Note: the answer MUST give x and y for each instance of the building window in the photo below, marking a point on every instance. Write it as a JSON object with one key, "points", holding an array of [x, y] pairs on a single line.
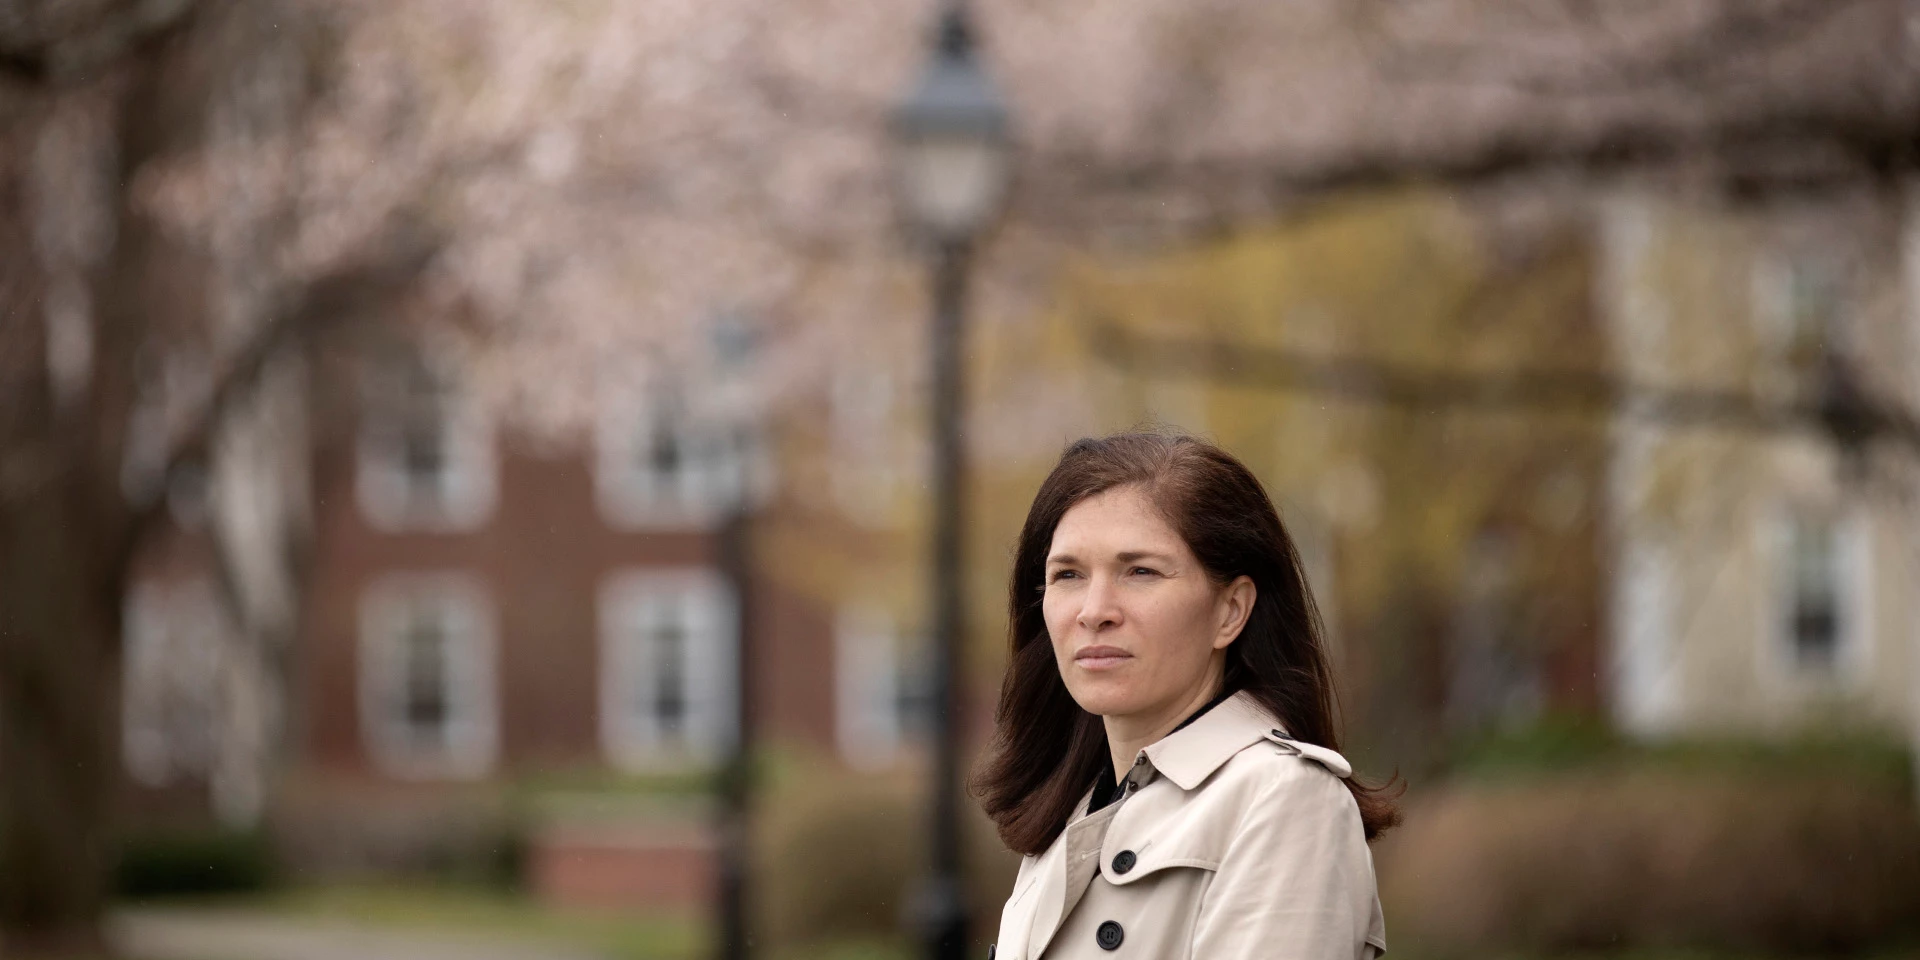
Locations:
{"points": [[1644, 671], [198, 703], [663, 463], [427, 677], [1822, 621], [1801, 309], [1814, 629], [667, 667], [882, 686], [175, 634], [426, 460]]}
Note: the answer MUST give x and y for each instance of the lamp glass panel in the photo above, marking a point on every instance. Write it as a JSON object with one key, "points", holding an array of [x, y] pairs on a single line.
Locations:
{"points": [[952, 183]]}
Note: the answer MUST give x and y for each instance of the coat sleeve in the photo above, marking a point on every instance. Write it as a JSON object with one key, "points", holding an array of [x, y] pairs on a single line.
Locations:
{"points": [[1296, 881]]}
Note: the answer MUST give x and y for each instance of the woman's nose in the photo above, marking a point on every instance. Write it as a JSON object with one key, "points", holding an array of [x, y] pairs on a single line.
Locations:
{"points": [[1098, 609]]}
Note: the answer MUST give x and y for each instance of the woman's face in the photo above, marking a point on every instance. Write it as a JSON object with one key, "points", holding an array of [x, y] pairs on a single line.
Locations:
{"points": [[1137, 626]]}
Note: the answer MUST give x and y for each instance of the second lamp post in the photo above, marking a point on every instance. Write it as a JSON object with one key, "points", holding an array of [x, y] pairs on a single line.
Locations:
{"points": [[951, 135]]}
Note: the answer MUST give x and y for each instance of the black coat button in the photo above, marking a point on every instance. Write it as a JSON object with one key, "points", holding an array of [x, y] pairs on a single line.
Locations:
{"points": [[1109, 936], [1123, 861], [989, 951]]}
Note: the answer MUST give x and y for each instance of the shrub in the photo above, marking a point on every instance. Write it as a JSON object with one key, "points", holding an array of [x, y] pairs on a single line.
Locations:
{"points": [[1656, 858], [1559, 745], [181, 861], [464, 837], [839, 856]]}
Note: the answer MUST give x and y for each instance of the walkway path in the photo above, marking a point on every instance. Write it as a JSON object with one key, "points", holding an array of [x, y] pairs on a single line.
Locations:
{"points": [[205, 934]]}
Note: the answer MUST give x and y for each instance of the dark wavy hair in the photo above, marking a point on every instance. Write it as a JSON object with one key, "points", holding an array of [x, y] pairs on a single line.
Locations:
{"points": [[1046, 750]]}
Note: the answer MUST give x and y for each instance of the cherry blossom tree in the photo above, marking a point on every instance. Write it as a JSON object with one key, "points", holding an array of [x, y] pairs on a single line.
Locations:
{"points": [[170, 241]]}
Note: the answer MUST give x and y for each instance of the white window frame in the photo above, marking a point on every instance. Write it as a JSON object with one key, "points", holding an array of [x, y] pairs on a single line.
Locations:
{"points": [[470, 745], [174, 636], [1853, 559], [708, 484], [1643, 662], [468, 487], [629, 600], [869, 670]]}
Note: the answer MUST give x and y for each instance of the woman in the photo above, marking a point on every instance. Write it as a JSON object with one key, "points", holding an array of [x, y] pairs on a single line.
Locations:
{"points": [[1165, 753]]}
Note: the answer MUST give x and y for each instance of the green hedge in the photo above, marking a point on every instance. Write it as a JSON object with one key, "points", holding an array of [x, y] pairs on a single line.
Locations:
{"points": [[1563, 745], [184, 861]]}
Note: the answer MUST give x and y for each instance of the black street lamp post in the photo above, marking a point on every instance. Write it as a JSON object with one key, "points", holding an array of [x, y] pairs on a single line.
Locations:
{"points": [[952, 137], [735, 782]]}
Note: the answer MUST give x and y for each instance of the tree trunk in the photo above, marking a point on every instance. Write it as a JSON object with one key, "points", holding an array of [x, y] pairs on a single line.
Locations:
{"points": [[59, 727], [65, 544]]}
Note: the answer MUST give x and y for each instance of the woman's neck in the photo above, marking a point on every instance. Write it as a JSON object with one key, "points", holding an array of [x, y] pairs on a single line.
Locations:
{"points": [[1128, 735]]}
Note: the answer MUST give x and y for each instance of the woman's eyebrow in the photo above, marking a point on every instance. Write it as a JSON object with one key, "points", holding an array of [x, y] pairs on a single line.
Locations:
{"points": [[1129, 555]]}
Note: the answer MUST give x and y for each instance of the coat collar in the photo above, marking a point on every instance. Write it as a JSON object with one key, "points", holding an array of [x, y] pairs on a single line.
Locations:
{"points": [[1192, 753]]}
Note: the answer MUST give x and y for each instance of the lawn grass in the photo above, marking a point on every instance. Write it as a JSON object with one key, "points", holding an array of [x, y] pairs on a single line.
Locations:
{"points": [[428, 908], [853, 949], [465, 912]]}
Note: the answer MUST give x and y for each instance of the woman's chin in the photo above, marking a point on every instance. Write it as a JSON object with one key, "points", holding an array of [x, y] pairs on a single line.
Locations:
{"points": [[1104, 696]]}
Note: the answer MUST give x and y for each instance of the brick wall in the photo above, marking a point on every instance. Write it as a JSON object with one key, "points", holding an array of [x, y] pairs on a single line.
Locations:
{"points": [[541, 557]]}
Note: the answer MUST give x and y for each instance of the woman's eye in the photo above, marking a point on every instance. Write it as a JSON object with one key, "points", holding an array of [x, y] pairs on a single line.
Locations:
{"points": [[1059, 574], [1146, 570]]}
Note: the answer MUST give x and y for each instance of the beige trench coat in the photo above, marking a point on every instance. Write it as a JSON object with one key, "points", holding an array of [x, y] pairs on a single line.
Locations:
{"points": [[1230, 841]]}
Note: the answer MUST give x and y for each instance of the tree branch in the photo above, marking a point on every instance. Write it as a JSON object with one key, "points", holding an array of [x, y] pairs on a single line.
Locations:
{"points": [[351, 290], [1786, 150], [119, 30], [1847, 415], [1692, 58]]}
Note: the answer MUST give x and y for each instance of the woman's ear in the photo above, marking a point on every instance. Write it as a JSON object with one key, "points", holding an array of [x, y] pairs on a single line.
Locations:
{"points": [[1234, 607]]}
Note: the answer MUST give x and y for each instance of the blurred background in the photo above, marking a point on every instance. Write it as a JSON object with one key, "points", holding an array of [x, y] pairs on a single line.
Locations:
{"points": [[531, 480]]}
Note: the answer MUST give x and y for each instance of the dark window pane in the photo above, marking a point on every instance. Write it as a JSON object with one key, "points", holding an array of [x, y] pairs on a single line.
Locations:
{"points": [[425, 706], [669, 652], [1816, 633], [1816, 614], [422, 416], [665, 456], [424, 455]]}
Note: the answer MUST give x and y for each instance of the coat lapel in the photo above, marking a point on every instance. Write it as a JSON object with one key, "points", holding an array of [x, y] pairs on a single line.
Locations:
{"points": [[1068, 877]]}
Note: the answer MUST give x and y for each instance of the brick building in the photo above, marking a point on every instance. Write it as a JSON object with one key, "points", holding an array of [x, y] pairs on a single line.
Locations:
{"points": [[483, 609]]}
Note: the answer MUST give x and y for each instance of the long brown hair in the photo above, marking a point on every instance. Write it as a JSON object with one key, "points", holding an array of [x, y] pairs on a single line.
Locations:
{"points": [[1046, 750]]}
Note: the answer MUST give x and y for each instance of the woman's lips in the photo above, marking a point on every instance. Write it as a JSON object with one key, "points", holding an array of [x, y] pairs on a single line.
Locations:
{"points": [[1101, 658]]}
